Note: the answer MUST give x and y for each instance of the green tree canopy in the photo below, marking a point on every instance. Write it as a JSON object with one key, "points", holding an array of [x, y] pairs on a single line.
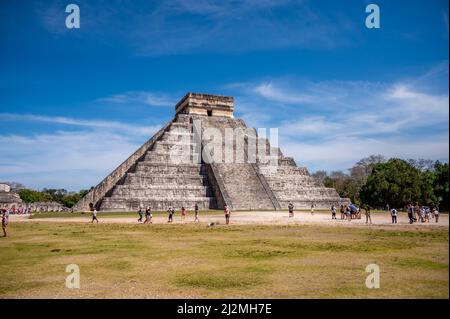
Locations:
{"points": [[395, 182]]}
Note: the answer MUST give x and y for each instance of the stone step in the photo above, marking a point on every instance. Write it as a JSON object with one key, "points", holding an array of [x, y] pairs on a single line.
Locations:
{"points": [[283, 171], [157, 157], [174, 136], [144, 179], [171, 169], [180, 125], [167, 146], [164, 190], [243, 186]]}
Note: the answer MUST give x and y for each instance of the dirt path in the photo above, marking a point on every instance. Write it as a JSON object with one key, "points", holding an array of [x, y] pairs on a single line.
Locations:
{"points": [[259, 218]]}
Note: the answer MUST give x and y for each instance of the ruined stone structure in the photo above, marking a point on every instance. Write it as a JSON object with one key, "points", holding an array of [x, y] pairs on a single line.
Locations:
{"points": [[8, 199], [177, 167]]}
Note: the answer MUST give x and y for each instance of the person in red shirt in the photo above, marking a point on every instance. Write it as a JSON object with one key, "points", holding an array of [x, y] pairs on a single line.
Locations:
{"points": [[183, 213]]}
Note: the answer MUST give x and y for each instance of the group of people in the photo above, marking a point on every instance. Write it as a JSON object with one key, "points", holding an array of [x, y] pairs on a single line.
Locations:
{"points": [[423, 214], [416, 213], [17, 210], [184, 213], [348, 212]]}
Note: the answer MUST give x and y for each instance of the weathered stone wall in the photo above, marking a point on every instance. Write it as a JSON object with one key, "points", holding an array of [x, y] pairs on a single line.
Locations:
{"points": [[96, 195]]}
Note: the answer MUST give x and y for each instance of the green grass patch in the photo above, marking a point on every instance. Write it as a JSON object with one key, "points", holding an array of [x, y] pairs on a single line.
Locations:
{"points": [[239, 261]]}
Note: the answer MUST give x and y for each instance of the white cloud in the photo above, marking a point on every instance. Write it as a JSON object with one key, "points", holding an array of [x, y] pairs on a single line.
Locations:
{"points": [[71, 160], [268, 91], [140, 97], [343, 152], [174, 27], [65, 158], [93, 124], [332, 124]]}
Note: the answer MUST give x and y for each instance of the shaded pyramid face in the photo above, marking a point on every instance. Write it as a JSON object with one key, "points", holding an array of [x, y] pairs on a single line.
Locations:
{"points": [[204, 156]]}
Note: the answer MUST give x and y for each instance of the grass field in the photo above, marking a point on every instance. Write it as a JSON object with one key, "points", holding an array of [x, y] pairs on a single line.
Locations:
{"points": [[242, 261]]}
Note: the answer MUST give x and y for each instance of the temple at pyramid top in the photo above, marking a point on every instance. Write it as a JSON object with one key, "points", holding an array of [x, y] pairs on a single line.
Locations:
{"points": [[206, 104]]}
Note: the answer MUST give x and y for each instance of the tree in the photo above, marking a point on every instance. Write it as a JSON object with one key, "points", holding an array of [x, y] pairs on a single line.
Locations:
{"points": [[71, 199], [441, 184], [57, 195], [320, 175], [394, 182], [32, 196]]}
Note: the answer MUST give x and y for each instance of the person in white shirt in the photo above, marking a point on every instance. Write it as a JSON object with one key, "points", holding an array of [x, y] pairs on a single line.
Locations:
{"points": [[436, 214], [333, 212], [394, 215], [94, 216]]}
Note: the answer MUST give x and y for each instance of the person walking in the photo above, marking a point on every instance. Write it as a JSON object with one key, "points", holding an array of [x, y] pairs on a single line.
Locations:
{"points": [[94, 216], [183, 213], [342, 211], [312, 209], [348, 211], [410, 209], [436, 214], [148, 215], [141, 214], [196, 220], [367, 212], [333, 212], [427, 214], [417, 212], [171, 211], [291, 209], [227, 212], [5, 221], [394, 215], [422, 214]]}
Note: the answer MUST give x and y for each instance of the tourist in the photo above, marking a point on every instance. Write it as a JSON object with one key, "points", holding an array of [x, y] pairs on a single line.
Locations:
{"points": [[436, 214], [5, 221], [348, 212], [171, 211], [148, 215], [291, 209], [367, 212], [410, 209], [140, 213], [333, 212], [312, 209], [417, 211], [422, 214], [227, 212], [196, 214], [427, 214], [183, 213], [342, 211], [94, 216], [394, 215]]}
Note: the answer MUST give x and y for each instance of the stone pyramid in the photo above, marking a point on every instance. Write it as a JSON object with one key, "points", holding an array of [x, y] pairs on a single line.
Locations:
{"points": [[178, 167]]}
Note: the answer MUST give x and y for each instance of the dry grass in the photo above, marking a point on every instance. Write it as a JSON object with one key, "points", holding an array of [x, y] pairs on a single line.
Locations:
{"points": [[242, 261]]}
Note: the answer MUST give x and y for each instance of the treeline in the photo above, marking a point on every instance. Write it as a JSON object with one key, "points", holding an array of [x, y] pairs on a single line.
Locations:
{"points": [[68, 199], [378, 182]]}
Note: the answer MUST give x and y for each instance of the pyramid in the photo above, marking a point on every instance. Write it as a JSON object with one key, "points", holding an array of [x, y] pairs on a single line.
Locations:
{"points": [[196, 159]]}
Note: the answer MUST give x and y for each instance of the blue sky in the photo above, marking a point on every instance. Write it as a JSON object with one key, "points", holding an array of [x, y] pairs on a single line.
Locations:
{"points": [[75, 103]]}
